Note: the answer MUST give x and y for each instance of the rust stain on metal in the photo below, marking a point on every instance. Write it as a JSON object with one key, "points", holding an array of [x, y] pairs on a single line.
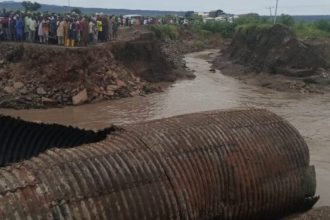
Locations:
{"points": [[235, 164]]}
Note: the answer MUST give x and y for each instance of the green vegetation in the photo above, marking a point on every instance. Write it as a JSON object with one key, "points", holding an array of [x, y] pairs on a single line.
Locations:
{"points": [[77, 11], [251, 19], [287, 20], [310, 30], [29, 6], [226, 29], [245, 27], [167, 30], [319, 29], [323, 25]]}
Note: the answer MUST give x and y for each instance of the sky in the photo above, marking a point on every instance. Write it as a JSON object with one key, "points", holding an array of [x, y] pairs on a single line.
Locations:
{"points": [[293, 7]]}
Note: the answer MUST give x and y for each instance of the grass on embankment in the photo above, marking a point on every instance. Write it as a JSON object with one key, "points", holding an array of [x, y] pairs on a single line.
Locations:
{"points": [[302, 31], [166, 31], [318, 29], [309, 31]]}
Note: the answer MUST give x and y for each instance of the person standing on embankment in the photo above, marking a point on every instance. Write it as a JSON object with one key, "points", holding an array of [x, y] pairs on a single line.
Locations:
{"points": [[19, 29], [27, 20], [115, 26], [99, 29], [92, 31], [32, 29], [66, 32], [45, 30], [60, 32], [85, 31], [72, 33]]}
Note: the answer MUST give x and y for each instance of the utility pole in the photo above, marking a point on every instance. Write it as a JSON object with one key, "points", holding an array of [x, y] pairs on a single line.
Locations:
{"points": [[276, 8], [69, 5], [270, 11]]}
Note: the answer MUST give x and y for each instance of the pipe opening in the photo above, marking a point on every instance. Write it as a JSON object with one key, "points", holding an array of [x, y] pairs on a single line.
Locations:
{"points": [[21, 140]]}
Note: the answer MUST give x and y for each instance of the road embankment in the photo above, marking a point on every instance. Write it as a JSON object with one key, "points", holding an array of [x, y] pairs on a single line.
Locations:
{"points": [[39, 76]]}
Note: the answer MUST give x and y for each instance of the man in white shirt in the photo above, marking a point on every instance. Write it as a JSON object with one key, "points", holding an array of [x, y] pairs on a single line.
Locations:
{"points": [[26, 27], [91, 31], [32, 29]]}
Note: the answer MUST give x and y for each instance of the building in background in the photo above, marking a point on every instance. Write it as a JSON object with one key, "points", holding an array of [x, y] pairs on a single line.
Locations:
{"points": [[216, 15]]}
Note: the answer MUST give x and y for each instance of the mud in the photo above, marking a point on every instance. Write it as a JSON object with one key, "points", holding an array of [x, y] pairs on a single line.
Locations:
{"points": [[275, 58], [36, 76], [322, 213], [151, 59]]}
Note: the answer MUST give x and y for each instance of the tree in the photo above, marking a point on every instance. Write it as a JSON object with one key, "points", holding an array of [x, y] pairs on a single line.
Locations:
{"points": [[251, 18], [323, 25], [219, 13], [287, 20], [196, 18], [189, 14], [29, 6], [77, 11]]}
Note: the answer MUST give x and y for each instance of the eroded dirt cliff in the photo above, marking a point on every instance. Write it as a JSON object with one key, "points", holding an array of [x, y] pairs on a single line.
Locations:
{"points": [[274, 57], [34, 76]]}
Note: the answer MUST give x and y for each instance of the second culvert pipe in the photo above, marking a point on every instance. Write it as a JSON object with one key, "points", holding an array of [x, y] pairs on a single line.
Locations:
{"points": [[237, 164]]}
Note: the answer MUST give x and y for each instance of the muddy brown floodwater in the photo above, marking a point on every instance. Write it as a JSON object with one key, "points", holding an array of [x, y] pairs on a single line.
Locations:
{"points": [[309, 113]]}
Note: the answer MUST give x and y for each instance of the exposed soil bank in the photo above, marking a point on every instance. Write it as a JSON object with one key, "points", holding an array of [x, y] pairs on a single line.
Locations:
{"points": [[36, 76], [275, 58], [151, 59]]}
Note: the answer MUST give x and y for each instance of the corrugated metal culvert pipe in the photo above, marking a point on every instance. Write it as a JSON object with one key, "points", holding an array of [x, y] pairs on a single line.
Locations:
{"points": [[237, 164]]}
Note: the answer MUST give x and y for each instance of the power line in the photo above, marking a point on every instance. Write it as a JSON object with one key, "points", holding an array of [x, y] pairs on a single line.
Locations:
{"points": [[305, 6], [270, 10], [275, 17]]}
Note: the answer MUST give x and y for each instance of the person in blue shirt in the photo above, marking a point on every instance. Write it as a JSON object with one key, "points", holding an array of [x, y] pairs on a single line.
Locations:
{"points": [[19, 29]]}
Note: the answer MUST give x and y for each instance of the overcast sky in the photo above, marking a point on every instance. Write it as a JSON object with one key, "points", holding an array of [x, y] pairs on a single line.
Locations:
{"points": [[231, 6]]}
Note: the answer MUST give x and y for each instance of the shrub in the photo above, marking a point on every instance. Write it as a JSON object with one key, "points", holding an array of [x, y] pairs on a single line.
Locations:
{"points": [[165, 31], [323, 25], [246, 27], [248, 19], [287, 20], [307, 30], [226, 29]]}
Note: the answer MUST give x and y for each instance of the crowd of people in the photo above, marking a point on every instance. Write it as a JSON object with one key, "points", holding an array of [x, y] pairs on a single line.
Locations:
{"points": [[65, 30], [68, 30]]}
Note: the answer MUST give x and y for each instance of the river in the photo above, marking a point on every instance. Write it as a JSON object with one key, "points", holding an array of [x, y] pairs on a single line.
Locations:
{"points": [[309, 113]]}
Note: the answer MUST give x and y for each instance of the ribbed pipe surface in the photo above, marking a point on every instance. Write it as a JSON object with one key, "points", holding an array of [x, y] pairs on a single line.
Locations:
{"points": [[237, 164]]}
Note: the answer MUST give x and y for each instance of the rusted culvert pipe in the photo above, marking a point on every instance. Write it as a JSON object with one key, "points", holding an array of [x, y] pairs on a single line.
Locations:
{"points": [[237, 164]]}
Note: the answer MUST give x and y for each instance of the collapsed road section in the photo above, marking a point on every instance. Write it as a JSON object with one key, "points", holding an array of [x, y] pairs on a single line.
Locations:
{"points": [[235, 164], [41, 76]]}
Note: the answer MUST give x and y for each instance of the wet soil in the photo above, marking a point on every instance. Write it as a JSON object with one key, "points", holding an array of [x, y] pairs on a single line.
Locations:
{"points": [[309, 113], [321, 213], [273, 57], [37, 76]]}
